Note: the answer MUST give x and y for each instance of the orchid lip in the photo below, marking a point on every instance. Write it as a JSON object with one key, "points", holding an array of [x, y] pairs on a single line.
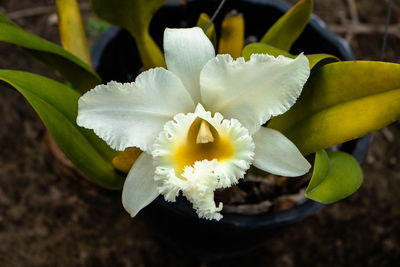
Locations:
{"points": [[179, 159]]}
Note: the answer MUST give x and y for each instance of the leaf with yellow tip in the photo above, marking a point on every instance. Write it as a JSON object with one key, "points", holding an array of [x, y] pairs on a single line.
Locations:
{"points": [[77, 72], [124, 161], [149, 52], [316, 60], [72, 32], [289, 27], [202, 22], [232, 35], [135, 17], [57, 106], [340, 102]]}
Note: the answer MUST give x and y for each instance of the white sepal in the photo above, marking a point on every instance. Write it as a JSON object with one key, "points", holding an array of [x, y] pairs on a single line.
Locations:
{"points": [[276, 154], [186, 53], [140, 189]]}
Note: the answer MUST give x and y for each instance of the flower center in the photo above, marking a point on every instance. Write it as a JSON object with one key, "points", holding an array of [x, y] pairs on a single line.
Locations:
{"points": [[202, 142], [205, 135], [198, 153]]}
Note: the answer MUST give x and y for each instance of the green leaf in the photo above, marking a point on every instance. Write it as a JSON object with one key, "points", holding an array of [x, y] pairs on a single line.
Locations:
{"points": [[261, 48], [336, 175], [289, 27], [5, 20], [202, 22], [73, 69], [135, 17], [340, 102], [57, 106], [316, 60]]}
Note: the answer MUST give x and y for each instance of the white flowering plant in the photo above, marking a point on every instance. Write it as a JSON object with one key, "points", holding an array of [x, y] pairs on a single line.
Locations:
{"points": [[206, 109]]}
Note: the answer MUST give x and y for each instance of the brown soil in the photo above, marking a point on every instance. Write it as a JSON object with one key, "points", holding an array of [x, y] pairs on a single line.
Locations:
{"points": [[48, 220]]}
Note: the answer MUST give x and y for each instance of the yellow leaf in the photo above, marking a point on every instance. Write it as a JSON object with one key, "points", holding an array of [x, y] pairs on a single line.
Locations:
{"points": [[340, 102], [72, 32], [232, 35], [150, 53], [346, 121]]}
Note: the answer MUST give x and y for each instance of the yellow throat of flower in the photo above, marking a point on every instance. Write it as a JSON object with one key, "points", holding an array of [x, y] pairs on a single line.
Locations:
{"points": [[202, 142], [198, 153]]}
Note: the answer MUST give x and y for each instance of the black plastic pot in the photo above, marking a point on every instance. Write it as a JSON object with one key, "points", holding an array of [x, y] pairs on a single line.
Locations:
{"points": [[115, 58]]}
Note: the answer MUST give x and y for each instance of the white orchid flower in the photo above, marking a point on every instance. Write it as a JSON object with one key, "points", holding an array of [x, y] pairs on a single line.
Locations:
{"points": [[199, 122]]}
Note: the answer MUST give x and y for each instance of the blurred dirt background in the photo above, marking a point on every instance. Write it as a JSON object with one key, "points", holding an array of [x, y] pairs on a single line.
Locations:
{"points": [[49, 220]]}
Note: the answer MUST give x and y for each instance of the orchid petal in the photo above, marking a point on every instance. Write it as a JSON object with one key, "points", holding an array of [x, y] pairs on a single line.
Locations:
{"points": [[186, 53], [252, 91], [132, 114], [276, 154], [140, 188]]}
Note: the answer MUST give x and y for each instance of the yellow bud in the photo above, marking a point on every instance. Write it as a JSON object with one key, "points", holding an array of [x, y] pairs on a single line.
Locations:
{"points": [[124, 161]]}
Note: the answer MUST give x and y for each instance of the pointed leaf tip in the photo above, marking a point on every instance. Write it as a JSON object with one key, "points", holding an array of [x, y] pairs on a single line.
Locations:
{"points": [[289, 27]]}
